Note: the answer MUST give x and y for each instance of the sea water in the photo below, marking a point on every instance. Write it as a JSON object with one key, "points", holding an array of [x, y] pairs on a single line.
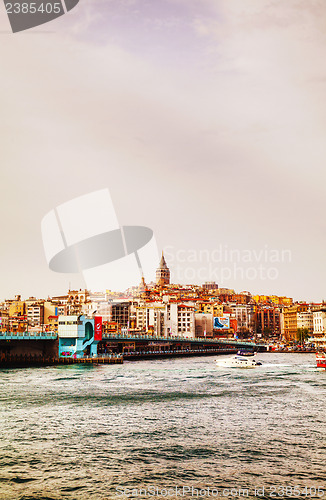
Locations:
{"points": [[175, 428]]}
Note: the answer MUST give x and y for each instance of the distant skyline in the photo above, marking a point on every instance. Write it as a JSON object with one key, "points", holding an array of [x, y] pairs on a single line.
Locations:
{"points": [[205, 119]]}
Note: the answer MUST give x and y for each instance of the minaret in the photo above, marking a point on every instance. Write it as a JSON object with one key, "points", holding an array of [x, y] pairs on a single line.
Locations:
{"points": [[162, 273], [142, 286]]}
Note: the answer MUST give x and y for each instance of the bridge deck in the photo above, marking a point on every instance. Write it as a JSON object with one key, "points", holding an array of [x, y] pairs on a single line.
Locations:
{"points": [[131, 337], [237, 343]]}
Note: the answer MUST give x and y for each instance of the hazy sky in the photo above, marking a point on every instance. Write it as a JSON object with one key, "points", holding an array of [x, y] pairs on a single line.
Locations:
{"points": [[206, 119]]}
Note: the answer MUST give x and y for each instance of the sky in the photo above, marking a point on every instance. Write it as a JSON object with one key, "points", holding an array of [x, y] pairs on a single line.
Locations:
{"points": [[205, 119]]}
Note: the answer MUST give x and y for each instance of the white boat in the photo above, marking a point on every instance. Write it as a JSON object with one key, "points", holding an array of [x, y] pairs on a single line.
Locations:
{"points": [[243, 359]]}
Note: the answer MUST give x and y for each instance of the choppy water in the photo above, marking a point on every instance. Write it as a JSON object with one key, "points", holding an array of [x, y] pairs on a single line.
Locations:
{"points": [[92, 432]]}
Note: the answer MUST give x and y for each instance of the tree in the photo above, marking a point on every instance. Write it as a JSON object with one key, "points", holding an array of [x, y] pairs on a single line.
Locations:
{"points": [[302, 334], [243, 333], [266, 332]]}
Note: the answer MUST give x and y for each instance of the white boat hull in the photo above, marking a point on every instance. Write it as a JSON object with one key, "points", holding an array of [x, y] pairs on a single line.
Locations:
{"points": [[238, 362]]}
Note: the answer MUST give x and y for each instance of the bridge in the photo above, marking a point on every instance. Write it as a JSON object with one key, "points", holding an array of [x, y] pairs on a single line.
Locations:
{"points": [[197, 340], [139, 346], [53, 335], [44, 347], [29, 348]]}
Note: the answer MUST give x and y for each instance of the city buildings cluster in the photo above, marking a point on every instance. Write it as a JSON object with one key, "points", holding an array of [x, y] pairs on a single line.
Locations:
{"points": [[169, 310]]}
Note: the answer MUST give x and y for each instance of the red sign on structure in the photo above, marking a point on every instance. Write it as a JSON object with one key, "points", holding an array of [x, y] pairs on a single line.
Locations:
{"points": [[98, 328], [234, 324]]}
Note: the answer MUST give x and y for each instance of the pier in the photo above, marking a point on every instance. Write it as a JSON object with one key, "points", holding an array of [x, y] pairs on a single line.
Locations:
{"points": [[30, 360], [89, 360]]}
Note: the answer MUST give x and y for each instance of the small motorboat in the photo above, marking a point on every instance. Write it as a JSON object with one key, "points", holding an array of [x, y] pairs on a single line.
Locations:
{"points": [[321, 360], [243, 359]]}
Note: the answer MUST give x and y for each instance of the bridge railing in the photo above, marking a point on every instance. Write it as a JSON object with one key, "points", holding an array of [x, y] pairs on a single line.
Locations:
{"points": [[104, 355], [28, 335]]}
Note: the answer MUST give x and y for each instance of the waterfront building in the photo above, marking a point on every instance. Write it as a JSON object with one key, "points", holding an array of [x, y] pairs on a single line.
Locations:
{"points": [[305, 321], [30, 301], [204, 325], [319, 326], [4, 320], [155, 320], [52, 324], [214, 308], [74, 302], [110, 328], [120, 313], [49, 310], [101, 309], [244, 314], [60, 299], [286, 301], [17, 323], [210, 285], [61, 309], [140, 313], [261, 299], [16, 307], [35, 314], [179, 320], [225, 326], [289, 322], [268, 321], [97, 296], [162, 273], [272, 299], [77, 302], [150, 318], [238, 298], [226, 291], [39, 311], [242, 317]]}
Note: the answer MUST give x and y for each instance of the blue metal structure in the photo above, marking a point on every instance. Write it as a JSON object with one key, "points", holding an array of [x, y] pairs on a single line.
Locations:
{"points": [[76, 336]]}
